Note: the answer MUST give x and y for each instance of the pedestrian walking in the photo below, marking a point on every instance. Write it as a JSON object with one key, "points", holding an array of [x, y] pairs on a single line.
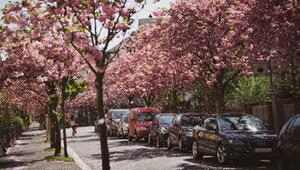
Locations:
{"points": [[73, 125]]}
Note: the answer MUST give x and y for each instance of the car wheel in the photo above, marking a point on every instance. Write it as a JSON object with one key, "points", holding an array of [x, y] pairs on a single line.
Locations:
{"points": [[195, 151], [169, 143], [150, 142], [180, 145], [221, 154], [158, 143]]}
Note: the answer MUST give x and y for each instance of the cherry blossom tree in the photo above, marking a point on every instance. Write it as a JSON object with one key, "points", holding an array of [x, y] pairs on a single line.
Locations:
{"points": [[89, 26], [204, 31], [146, 72]]}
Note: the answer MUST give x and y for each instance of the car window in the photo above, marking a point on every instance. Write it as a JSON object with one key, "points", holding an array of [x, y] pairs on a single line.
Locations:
{"points": [[227, 124], [247, 122], [165, 119], [210, 124], [285, 126], [145, 116], [296, 123], [296, 128], [125, 119], [192, 120]]}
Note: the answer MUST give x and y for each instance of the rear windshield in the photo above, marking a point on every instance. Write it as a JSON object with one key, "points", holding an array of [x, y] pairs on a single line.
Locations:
{"points": [[192, 120], [166, 119], [145, 116], [118, 114]]}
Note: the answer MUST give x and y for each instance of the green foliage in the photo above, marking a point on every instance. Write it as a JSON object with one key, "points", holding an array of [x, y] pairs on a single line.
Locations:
{"points": [[18, 124], [252, 90], [11, 125], [46, 141], [51, 149], [289, 85], [58, 115], [59, 158], [74, 87]]}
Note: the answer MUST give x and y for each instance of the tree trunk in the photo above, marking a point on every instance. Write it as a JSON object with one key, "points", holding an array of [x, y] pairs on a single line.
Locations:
{"points": [[57, 138], [174, 102], [220, 100], [52, 136], [62, 105], [101, 114], [55, 129]]}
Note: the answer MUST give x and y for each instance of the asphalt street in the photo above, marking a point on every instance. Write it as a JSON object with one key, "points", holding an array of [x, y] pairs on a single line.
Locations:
{"points": [[140, 156]]}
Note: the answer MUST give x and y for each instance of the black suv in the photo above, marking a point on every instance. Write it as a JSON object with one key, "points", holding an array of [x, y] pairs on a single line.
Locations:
{"points": [[233, 136], [289, 145], [159, 130], [181, 130]]}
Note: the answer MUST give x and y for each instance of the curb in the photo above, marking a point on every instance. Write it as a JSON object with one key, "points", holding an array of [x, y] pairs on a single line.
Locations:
{"points": [[77, 159]]}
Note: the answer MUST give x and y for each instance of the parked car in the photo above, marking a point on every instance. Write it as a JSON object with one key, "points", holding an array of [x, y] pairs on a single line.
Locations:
{"points": [[233, 136], [181, 130], [123, 126], [140, 120], [159, 131], [289, 145], [113, 119]]}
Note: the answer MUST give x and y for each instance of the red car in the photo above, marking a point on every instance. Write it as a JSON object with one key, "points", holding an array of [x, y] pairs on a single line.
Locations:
{"points": [[140, 121]]}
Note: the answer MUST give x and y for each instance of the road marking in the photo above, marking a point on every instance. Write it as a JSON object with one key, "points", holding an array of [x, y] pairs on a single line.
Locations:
{"points": [[77, 159]]}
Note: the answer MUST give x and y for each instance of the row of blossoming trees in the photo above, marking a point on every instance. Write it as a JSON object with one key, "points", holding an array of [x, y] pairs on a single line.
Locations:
{"points": [[212, 43], [207, 43]]}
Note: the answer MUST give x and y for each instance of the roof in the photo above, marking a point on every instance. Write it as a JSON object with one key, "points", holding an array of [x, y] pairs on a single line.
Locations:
{"points": [[226, 114], [146, 109], [118, 110]]}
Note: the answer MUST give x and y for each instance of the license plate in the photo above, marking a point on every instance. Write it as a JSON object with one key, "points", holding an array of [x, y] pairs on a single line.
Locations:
{"points": [[263, 150]]}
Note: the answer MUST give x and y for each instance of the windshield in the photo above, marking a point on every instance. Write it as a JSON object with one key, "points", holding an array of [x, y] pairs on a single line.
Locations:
{"points": [[118, 114], [192, 120], [241, 123], [166, 119], [144, 117]]}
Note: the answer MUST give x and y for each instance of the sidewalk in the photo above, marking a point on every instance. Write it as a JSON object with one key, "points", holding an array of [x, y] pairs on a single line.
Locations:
{"points": [[28, 153]]}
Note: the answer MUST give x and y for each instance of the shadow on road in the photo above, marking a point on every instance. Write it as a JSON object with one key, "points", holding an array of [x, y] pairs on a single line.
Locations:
{"points": [[211, 163], [137, 154], [11, 164]]}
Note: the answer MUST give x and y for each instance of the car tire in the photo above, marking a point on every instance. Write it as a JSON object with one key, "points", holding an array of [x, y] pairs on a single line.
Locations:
{"points": [[181, 145], [221, 154], [158, 143], [169, 143], [195, 151]]}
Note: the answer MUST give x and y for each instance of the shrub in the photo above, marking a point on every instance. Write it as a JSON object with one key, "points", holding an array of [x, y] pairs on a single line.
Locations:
{"points": [[18, 124]]}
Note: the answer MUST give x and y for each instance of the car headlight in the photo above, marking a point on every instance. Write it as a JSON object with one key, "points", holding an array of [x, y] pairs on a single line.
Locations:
{"points": [[236, 141], [163, 130]]}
